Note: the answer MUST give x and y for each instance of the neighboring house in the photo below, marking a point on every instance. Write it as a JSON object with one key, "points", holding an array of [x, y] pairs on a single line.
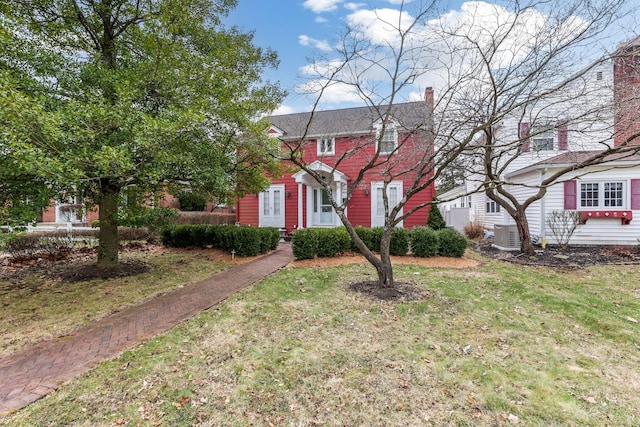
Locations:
{"points": [[337, 144], [606, 196]]}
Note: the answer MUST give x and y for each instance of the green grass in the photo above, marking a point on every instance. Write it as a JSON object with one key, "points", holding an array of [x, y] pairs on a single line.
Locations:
{"points": [[489, 346], [39, 308]]}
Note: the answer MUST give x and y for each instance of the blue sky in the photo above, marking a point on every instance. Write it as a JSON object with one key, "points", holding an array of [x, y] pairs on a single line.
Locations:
{"points": [[299, 30]]}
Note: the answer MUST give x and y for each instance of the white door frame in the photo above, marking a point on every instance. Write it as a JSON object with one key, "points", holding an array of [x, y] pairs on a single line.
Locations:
{"points": [[377, 220], [273, 213]]}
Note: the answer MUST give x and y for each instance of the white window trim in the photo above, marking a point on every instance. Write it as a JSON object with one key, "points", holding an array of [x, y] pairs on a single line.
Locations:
{"points": [[380, 184], [262, 220], [626, 195], [332, 152]]}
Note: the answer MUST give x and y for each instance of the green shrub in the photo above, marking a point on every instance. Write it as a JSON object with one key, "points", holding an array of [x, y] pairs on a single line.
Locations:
{"points": [[399, 245], [332, 241], [376, 238], [225, 237], [424, 242], [365, 235], [435, 220], [191, 202], [269, 239], [451, 243], [245, 241], [304, 243]]}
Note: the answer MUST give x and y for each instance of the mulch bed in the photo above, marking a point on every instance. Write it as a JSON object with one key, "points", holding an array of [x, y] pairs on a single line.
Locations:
{"points": [[576, 256]]}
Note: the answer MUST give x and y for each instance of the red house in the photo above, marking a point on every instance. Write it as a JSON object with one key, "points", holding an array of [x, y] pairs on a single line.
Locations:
{"points": [[337, 144]]}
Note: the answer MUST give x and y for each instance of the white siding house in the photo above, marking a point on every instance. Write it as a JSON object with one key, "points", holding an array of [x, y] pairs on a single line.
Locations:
{"points": [[554, 136]]}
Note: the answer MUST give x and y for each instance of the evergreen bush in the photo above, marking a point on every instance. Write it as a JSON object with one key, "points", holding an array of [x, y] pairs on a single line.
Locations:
{"points": [[332, 241], [365, 234], [424, 242], [304, 243], [399, 245], [451, 243], [435, 220]]}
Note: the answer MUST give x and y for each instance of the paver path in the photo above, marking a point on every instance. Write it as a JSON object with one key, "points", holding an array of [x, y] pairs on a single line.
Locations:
{"points": [[29, 375]]}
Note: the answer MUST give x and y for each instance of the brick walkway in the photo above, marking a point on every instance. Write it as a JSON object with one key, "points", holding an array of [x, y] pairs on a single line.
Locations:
{"points": [[29, 375]]}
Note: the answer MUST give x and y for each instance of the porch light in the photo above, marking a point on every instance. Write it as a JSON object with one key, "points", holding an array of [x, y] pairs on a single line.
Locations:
{"points": [[288, 193], [366, 191]]}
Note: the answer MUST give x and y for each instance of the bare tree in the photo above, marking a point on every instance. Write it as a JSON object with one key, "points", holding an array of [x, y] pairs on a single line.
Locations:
{"points": [[526, 73], [493, 68]]}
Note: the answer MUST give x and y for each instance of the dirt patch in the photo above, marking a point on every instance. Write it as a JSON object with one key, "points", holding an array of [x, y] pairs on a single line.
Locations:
{"points": [[399, 292], [352, 258], [85, 272]]}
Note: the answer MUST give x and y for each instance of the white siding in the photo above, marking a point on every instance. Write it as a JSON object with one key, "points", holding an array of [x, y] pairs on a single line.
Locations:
{"points": [[600, 231]]}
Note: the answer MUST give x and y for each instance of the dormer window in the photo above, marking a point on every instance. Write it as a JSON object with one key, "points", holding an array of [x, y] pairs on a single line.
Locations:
{"points": [[326, 146]]}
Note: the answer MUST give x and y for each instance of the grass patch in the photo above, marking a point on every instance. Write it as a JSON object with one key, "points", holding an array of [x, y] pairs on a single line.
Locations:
{"points": [[488, 346], [37, 308]]}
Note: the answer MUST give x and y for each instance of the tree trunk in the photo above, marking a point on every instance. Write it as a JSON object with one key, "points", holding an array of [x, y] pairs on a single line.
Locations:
{"points": [[383, 264], [384, 268], [522, 224], [108, 236]]}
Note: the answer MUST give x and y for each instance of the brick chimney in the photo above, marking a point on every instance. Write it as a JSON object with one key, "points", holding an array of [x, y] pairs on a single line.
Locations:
{"points": [[428, 97], [626, 90]]}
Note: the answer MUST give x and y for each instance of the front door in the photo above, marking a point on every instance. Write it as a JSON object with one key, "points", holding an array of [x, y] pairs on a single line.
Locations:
{"points": [[322, 209], [271, 206]]}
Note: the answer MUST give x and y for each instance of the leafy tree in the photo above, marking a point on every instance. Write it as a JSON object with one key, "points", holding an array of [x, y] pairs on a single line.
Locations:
{"points": [[139, 95], [435, 220]]}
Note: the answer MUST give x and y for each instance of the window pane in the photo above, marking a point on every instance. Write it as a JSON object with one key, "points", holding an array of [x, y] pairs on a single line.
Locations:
{"points": [[542, 140], [589, 195], [276, 202], [388, 141], [315, 200], [613, 194], [265, 203], [393, 197], [379, 202]]}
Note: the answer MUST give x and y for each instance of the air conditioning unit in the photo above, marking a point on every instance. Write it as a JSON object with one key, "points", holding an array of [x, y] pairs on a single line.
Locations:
{"points": [[505, 237]]}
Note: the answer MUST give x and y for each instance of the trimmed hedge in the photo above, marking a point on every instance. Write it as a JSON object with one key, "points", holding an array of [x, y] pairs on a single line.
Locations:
{"points": [[371, 237], [451, 243], [424, 242], [309, 243], [245, 241], [322, 242], [399, 245]]}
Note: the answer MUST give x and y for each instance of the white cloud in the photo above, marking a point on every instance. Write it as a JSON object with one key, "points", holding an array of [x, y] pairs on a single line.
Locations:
{"points": [[435, 57], [354, 6], [318, 44], [320, 20], [283, 109], [332, 94], [379, 25], [319, 6]]}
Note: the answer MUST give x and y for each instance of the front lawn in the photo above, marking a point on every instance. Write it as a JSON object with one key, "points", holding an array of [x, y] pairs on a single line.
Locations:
{"points": [[498, 344]]}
